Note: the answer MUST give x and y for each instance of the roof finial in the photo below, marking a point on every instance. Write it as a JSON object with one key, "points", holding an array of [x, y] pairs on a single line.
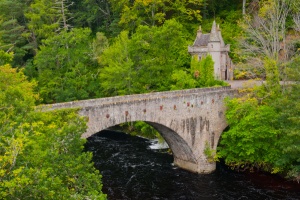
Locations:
{"points": [[214, 27], [199, 32]]}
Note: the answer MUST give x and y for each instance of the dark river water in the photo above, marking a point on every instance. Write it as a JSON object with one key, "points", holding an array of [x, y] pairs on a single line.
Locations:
{"points": [[133, 168]]}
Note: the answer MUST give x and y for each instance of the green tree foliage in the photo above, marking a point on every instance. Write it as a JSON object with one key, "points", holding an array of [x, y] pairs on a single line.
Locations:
{"points": [[185, 11], [272, 77], [264, 127], [182, 79], [200, 74], [214, 8], [206, 73], [140, 128], [41, 152], [264, 122], [145, 62], [5, 58], [288, 107], [99, 16], [25, 24], [251, 141], [47, 18], [13, 30], [289, 120], [66, 68], [143, 12], [117, 76], [100, 43], [156, 12], [157, 52], [11, 34]]}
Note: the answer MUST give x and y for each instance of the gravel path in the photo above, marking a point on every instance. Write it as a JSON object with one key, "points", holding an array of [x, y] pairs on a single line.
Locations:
{"points": [[250, 83], [244, 83]]}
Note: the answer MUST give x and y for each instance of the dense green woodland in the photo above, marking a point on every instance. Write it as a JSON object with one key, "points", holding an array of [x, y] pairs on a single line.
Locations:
{"points": [[59, 50]]}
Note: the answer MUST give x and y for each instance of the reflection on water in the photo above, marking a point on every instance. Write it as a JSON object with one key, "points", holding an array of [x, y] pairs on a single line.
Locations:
{"points": [[133, 170]]}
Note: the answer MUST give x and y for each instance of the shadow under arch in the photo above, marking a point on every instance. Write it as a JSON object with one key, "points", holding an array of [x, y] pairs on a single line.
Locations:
{"points": [[179, 147]]}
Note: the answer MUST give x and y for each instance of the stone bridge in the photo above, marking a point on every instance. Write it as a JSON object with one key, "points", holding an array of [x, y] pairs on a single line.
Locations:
{"points": [[190, 121]]}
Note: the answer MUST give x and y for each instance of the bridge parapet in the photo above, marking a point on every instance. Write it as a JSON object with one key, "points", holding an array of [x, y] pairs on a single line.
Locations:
{"points": [[134, 97]]}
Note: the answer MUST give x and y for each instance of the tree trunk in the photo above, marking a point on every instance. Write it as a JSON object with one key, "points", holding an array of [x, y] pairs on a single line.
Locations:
{"points": [[244, 7]]}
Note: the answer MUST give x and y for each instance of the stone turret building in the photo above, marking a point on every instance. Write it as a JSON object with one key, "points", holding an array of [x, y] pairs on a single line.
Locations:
{"points": [[213, 44]]}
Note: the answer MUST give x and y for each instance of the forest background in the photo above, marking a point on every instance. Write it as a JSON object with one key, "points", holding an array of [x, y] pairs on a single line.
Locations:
{"points": [[59, 50]]}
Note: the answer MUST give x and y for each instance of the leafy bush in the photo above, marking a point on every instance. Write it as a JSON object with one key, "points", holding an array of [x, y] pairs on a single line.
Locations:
{"points": [[41, 152], [264, 127]]}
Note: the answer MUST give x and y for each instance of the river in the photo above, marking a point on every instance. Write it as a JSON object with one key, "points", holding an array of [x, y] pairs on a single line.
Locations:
{"points": [[132, 168]]}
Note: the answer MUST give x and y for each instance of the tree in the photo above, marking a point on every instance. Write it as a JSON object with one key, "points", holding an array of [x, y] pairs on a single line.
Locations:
{"points": [[251, 143], [117, 75], [145, 62], [66, 68], [98, 15], [186, 11], [206, 77], [144, 13], [244, 7], [182, 79], [264, 132], [289, 107], [156, 12], [5, 58], [41, 152], [157, 52], [100, 43], [267, 114], [13, 29], [264, 123], [265, 33], [47, 18], [200, 74], [296, 16]]}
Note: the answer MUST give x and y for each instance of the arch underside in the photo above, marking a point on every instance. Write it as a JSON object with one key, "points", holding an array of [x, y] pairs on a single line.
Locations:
{"points": [[180, 148]]}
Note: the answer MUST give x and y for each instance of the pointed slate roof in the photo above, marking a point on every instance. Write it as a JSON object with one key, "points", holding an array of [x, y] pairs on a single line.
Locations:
{"points": [[213, 37], [204, 39]]}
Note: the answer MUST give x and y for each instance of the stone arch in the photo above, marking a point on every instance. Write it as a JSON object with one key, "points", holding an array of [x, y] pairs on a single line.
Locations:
{"points": [[181, 150]]}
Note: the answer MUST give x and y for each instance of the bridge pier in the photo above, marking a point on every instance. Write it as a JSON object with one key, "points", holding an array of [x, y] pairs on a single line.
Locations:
{"points": [[188, 155], [202, 167]]}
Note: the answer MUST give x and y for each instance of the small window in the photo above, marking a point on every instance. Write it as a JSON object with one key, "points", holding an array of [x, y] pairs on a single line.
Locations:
{"points": [[212, 46]]}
